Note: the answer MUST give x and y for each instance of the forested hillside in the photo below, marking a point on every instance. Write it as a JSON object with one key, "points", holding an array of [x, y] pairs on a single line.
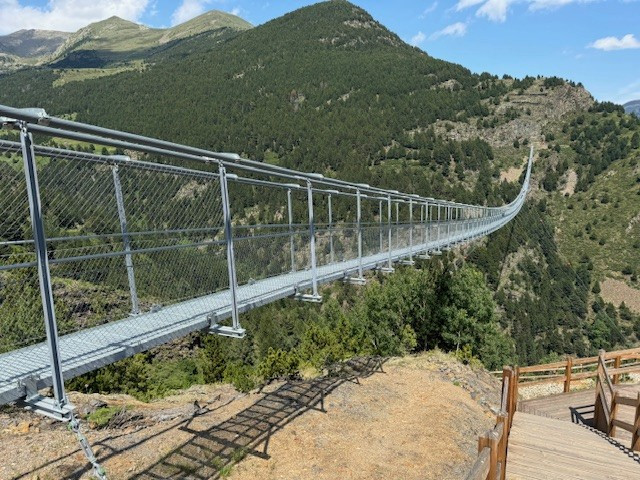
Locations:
{"points": [[328, 89]]}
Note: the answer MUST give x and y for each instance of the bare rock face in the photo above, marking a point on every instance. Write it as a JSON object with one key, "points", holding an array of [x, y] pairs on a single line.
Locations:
{"points": [[522, 115]]}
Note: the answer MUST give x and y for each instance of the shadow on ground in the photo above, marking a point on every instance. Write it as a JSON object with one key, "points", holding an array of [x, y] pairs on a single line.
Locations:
{"points": [[210, 453]]}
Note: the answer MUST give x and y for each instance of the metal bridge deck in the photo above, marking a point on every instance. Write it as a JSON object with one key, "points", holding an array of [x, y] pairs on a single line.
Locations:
{"points": [[82, 353]]}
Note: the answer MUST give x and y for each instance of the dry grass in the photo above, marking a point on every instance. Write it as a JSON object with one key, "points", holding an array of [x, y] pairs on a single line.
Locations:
{"points": [[617, 291]]}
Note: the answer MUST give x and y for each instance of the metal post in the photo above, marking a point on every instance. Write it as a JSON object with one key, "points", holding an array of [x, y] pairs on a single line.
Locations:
{"points": [[427, 224], [126, 241], [359, 220], [389, 267], [449, 220], [360, 278], [380, 213], [422, 224], [292, 243], [314, 297], [410, 261], [411, 230], [59, 407], [331, 252], [397, 224], [437, 251], [235, 330]]}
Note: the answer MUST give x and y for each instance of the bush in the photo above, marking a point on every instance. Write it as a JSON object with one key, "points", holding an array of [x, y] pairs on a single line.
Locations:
{"points": [[277, 364]]}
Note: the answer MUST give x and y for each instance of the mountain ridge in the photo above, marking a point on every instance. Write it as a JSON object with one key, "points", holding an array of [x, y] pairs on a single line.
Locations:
{"points": [[112, 40]]}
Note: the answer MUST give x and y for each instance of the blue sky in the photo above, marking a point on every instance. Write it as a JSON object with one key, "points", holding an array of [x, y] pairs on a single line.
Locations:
{"points": [[596, 42]]}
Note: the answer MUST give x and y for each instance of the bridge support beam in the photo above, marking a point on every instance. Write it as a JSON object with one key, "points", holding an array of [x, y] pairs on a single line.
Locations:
{"points": [[389, 268], [315, 297], [126, 241], [292, 244], [235, 330], [331, 251], [410, 261], [359, 280], [58, 407]]}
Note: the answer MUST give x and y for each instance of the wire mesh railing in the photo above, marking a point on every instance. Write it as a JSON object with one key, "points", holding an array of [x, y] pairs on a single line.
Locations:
{"points": [[106, 255]]}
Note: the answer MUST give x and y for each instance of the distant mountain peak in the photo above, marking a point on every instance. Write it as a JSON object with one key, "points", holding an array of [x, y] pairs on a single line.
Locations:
{"points": [[31, 42], [632, 107]]}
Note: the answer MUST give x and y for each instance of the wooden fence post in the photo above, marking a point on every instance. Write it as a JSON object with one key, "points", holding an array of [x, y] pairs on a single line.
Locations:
{"points": [[493, 456], [503, 418], [567, 375], [635, 441], [614, 412], [597, 405], [616, 364], [514, 396]]}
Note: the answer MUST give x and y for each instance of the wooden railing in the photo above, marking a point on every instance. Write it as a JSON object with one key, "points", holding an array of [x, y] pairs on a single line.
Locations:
{"points": [[607, 369], [492, 446], [609, 399], [574, 369]]}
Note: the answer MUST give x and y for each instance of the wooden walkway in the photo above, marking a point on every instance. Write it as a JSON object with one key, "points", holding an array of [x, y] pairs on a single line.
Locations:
{"points": [[577, 407], [543, 448]]}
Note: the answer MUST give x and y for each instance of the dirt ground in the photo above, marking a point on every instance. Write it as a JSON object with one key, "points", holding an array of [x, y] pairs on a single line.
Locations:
{"points": [[617, 291], [411, 418], [511, 175]]}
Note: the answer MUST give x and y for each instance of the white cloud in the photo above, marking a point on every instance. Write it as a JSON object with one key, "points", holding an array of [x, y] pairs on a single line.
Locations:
{"points": [[235, 11], [494, 10], [65, 15], [497, 10], [429, 9], [615, 43], [462, 4], [457, 29], [187, 10], [550, 4], [418, 38]]}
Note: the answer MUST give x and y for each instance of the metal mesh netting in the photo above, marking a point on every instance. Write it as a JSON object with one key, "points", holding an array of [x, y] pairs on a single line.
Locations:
{"points": [[129, 238], [20, 305]]}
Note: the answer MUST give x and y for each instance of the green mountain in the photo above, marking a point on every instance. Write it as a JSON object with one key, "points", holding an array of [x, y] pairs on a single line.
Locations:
{"points": [[115, 40], [327, 88], [108, 43]]}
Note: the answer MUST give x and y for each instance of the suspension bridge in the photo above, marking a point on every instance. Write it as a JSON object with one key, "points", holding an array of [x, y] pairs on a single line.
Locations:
{"points": [[177, 239]]}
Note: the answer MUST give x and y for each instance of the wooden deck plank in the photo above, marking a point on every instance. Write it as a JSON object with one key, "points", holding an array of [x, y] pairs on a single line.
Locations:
{"points": [[577, 407], [543, 448]]}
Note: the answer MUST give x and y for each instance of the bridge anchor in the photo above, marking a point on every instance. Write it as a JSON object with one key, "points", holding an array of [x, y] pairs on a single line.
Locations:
{"points": [[227, 331], [42, 405], [309, 297]]}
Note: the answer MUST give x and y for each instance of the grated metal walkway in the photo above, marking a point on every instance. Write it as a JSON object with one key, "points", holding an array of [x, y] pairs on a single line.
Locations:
{"points": [[92, 348]]}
